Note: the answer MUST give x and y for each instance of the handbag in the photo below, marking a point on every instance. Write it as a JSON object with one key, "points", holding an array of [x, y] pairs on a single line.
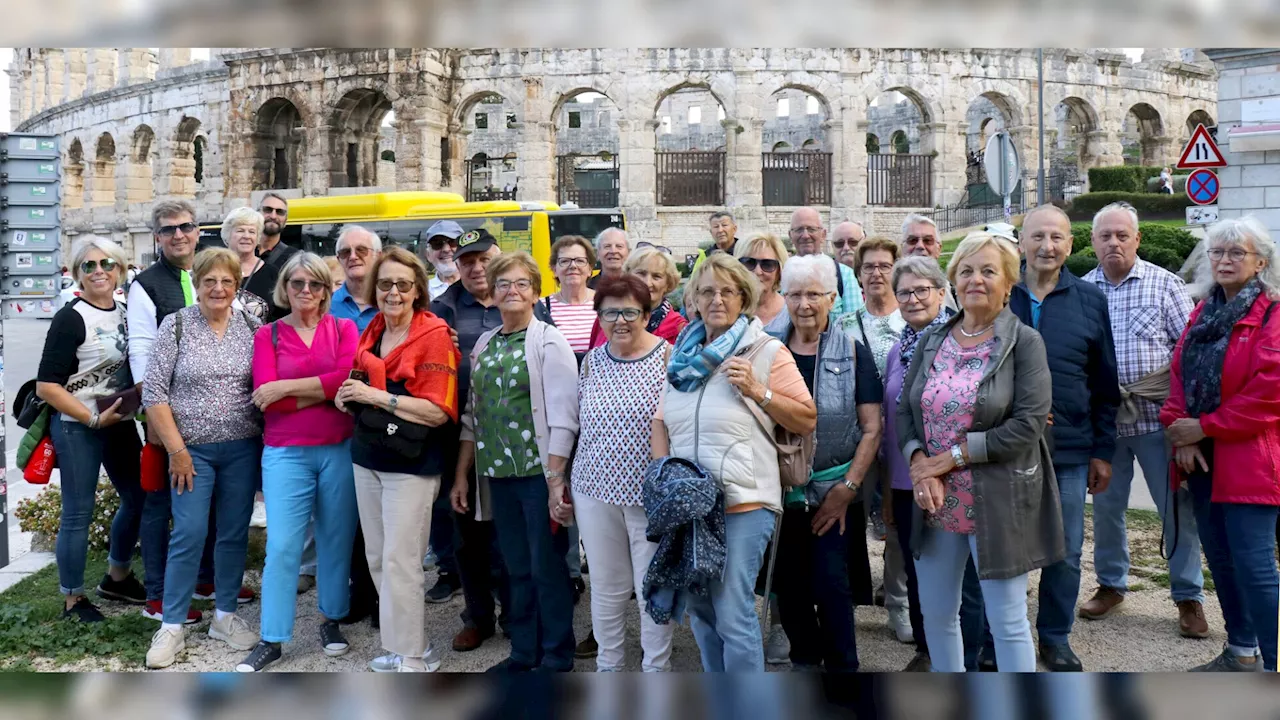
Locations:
{"points": [[795, 451], [379, 428]]}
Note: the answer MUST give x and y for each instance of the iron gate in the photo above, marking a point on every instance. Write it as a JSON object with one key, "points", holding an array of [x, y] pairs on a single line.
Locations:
{"points": [[590, 181]]}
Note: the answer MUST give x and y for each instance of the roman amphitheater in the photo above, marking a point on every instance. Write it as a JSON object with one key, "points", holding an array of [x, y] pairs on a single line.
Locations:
{"points": [[666, 134]]}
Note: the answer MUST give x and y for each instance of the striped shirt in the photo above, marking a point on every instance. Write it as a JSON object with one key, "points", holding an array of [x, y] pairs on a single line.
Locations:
{"points": [[574, 322], [1149, 310]]}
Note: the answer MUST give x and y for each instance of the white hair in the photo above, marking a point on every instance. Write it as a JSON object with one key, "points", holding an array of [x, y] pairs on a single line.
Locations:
{"points": [[1239, 231], [804, 269], [916, 219], [925, 268], [89, 243], [600, 236], [1121, 205], [240, 216], [349, 230]]}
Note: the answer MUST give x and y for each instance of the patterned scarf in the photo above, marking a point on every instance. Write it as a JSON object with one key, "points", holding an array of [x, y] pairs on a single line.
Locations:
{"points": [[693, 359], [657, 316], [1205, 348], [910, 336]]}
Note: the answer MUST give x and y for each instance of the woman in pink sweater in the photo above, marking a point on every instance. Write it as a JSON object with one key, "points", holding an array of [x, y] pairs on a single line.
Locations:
{"points": [[299, 362]]}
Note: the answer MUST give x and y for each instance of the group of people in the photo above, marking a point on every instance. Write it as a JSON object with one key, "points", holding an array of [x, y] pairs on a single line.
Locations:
{"points": [[968, 413]]}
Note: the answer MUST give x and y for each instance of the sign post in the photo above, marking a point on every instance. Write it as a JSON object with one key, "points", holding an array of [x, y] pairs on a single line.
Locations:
{"points": [[1000, 160]]}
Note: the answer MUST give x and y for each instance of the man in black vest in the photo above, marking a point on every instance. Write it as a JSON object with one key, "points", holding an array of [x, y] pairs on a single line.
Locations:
{"points": [[275, 214]]}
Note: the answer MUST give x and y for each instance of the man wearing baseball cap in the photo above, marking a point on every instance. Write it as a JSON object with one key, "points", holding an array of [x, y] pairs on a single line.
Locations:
{"points": [[442, 246]]}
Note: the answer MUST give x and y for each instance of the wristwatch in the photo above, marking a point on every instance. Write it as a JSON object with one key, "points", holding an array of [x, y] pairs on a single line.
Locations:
{"points": [[958, 456], [851, 485], [768, 398], [393, 403]]}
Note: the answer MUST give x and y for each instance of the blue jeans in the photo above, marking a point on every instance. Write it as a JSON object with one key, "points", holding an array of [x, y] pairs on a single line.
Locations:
{"points": [[940, 572], [297, 482], [812, 571], [227, 477], [81, 452], [1239, 543], [540, 619], [1110, 541], [725, 624], [1060, 582]]}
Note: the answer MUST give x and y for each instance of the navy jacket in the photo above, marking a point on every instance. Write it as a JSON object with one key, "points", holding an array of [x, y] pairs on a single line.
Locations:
{"points": [[1076, 328]]}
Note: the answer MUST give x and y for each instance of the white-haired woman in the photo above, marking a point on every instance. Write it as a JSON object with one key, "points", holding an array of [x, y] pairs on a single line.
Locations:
{"points": [[764, 256], [1223, 418], [299, 363], [84, 376], [823, 523], [241, 229]]}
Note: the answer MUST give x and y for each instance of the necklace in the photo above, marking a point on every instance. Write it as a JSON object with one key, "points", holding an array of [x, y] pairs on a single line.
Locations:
{"points": [[392, 341], [980, 333]]}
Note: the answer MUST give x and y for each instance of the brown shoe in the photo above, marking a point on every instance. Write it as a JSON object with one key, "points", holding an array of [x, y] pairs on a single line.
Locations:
{"points": [[470, 638], [1101, 604], [1191, 622]]}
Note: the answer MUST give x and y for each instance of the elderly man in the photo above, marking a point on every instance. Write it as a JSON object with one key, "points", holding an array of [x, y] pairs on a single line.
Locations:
{"points": [[613, 249], [809, 237], [442, 244], [845, 238], [920, 237], [275, 214], [1072, 316], [724, 233], [468, 306], [1149, 309]]}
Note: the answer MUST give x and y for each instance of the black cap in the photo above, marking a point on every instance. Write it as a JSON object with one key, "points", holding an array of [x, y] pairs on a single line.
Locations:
{"points": [[477, 240]]}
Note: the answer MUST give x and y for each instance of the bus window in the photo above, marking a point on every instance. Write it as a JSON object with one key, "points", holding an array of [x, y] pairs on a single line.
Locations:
{"points": [[513, 232], [586, 224], [321, 239]]}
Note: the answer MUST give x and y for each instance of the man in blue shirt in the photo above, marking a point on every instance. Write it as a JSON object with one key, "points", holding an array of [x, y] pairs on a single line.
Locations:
{"points": [[357, 249], [1072, 317]]}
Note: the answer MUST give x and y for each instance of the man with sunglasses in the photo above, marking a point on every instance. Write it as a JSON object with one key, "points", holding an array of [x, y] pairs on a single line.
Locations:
{"points": [[613, 249], [442, 246], [809, 237], [275, 214], [845, 238]]}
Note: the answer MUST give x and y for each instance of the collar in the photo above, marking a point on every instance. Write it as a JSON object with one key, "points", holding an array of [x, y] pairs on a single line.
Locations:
{"points": [[1138, 271]]}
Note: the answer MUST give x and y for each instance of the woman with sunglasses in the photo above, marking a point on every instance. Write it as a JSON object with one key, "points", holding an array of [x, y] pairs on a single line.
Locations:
{"points": [[299, 362], [85, 360], [763, 255], [241, 229], [403, 394]]}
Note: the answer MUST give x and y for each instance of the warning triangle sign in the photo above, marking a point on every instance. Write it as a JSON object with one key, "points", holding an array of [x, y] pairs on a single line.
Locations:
{"points": [[1201, 152]]}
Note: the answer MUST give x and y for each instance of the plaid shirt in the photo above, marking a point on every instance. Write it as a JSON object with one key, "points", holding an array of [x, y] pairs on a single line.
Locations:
{"points": [[1149, 310]]}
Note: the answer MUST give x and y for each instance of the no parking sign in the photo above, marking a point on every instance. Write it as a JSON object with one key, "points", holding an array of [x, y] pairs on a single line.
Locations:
{"points": [[1202, 187]]}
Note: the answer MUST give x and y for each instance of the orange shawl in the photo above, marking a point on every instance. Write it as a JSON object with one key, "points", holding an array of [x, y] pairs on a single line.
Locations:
{"points": [[426, 362]]}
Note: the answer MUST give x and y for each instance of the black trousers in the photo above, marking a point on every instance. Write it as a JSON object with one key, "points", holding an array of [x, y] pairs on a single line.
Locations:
{"points": [[812, 572], [363, 592], [481, 571]]}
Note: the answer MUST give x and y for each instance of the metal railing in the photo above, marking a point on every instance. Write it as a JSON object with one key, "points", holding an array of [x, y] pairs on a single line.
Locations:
{"points": [[691, 177], [899, 180], [595, 170], [796, 178], [486, 194], [968, 213]]}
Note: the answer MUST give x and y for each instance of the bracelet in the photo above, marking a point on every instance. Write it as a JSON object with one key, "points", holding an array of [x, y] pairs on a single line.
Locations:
{"points": [[554, 474], [175, 452], [94, 419]]}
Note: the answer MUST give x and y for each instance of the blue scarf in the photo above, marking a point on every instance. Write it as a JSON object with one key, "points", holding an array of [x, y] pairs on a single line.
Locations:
{"points": [[911, 336], [693, 359]]}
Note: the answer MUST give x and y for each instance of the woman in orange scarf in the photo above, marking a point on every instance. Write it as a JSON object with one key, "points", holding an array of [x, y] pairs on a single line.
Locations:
{"points": [[403, 394]]}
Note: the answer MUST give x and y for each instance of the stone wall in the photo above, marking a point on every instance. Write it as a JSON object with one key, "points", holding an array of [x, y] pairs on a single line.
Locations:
{"points": [[1249, 97]]}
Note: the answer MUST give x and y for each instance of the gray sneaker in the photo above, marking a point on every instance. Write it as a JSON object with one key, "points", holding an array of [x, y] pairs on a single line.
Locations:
{"points": [[1228, 662], [777, 649]]}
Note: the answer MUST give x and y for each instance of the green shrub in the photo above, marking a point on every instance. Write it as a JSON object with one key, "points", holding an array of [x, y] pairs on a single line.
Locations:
{"points": [[1082, 261], [1084, 206], [43, 514], [1113, 179], [1179, 184], [1162, 245]]}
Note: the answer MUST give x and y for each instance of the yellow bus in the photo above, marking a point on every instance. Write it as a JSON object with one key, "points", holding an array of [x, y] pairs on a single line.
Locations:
{"points": [[402, 219]]}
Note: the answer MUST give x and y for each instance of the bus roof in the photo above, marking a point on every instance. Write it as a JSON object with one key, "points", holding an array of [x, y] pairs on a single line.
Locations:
{"points": [[365, 207], [490, 207]]}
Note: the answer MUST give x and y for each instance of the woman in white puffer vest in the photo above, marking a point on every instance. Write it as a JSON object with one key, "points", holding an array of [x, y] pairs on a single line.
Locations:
{"points": [[722, 361]]}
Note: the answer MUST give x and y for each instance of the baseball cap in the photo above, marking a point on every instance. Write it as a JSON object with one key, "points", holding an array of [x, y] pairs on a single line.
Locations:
{"points": [[447, 228], [1004, 231], [477, 240]]}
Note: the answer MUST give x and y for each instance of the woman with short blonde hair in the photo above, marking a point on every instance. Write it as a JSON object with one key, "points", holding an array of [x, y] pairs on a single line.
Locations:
{"points": [[240, 230]]}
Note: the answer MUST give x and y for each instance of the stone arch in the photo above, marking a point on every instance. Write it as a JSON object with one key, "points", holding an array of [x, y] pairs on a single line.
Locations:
{"points": [[899, 143], [677, 109], [873, 144], [354, 133], [1142, 135], [710, 86], [1199, 117], [188, 159], [473, 95], [73, 176], [140, 173], [782, 146], [483, 119], [930, 112], [1074, 122], [584, 122], [102, 189], [799, 125], [279, 145]]}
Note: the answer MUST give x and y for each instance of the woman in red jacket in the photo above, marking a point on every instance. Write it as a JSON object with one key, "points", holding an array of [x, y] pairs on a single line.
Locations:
{"points": [[1223, 417]]}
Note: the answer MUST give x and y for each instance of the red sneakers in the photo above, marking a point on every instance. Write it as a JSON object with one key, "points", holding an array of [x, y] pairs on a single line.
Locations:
{"points": [[206, 592], [154, 610]]}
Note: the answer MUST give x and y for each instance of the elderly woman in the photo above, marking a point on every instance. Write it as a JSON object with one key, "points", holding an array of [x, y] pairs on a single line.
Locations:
{"points": [[971, 423], [813, 567], [571, 308], [1223, 418], [299, 362], [518, 430], [240, 231], [199, 397], [721, 362], [764, 255], [618, 392], [403, 394], [660, 275], [84, 377]]}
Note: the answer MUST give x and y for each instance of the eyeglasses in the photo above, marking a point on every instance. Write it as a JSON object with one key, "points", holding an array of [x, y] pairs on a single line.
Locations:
{"points": [[882, 268], [808, 296], [404, 286], [88, 267], [282, 212], [612, 314], [167, 231], [359, 251], [708, 294], [1234, 254], [210, 283], [839, 244], [770, 266], [571, 262], [315, 286], [660, 248], [920, 240], [805, 229], [523, 285], [440, 241], [920, 293]]}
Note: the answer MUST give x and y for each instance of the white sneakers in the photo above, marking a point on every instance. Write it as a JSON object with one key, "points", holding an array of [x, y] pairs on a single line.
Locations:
{"points": [[166, 647], [234, 632], [395, 663], [900, 625], [259, 517]]}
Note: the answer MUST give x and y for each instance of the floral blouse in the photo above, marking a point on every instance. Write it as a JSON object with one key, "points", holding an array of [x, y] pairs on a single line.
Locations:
{"points": [[947, 411], [505, 444]]}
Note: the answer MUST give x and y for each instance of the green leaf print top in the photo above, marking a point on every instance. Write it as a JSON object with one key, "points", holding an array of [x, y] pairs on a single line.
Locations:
{"points": [[505, 445]]}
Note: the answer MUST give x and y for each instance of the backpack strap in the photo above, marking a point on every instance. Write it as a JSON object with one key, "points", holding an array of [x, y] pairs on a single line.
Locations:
{"points": [[275, 335], [177, 328]]}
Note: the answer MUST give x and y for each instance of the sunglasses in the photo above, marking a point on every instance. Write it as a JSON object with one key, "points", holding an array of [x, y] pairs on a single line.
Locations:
{"points": [[167, 231], [839, 244], [439, 242], [345, 253], [404, 286], [315, 286], [89, 267], [660, 248], [769, 266], [282, 212]]}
